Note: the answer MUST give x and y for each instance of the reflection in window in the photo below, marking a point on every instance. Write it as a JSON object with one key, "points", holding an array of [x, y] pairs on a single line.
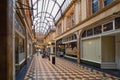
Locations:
{"points": [[75, 37], [19, 27], [117, 23], [21, 45], [94, 6], [84, 34], [98, 30], [16, 49], [106, 2], [108, 26], [90, 32]]}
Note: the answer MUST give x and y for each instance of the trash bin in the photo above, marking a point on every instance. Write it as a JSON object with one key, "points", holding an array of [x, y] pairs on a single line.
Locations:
{"points": [[53, 59]]}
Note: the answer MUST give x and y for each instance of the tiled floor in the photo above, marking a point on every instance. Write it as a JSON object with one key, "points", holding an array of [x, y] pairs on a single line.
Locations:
{"points": [[43, 69]]}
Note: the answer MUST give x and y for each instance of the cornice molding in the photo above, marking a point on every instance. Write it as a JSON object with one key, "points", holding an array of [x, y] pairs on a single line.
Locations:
{"points": [[92, 16]]}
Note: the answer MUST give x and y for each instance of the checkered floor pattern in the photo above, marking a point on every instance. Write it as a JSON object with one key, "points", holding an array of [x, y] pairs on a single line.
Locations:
{"points": [[43, 69]]}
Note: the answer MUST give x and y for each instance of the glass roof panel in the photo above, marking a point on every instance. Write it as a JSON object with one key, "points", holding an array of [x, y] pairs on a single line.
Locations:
{"points": [[46, 13]]}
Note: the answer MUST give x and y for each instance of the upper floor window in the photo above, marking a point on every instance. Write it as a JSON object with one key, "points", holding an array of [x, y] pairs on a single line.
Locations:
{"points": [[106, 2], [73, 19], [95, 6], [70, 20]]}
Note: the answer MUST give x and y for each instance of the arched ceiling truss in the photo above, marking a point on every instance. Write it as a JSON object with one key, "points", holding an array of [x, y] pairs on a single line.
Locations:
{"points": [[47, 13]]}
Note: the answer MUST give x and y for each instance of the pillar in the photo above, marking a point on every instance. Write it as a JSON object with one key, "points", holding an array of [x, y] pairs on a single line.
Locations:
{"points": [[56, 48], [51, 49], [77, 11], [78, 46], [6, 40]]}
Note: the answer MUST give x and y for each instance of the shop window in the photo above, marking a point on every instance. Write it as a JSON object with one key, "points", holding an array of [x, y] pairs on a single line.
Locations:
{"points": [[19, 27], [21, 45], [69, 38], [106, 2], [95, 6], [75, 37], [84, 34], [53, 50], [16, 49], [65, 39], [71, 49], [72, 37], [40, 41], [108, 26], [117, 23], [90, 32], [98, 30]]}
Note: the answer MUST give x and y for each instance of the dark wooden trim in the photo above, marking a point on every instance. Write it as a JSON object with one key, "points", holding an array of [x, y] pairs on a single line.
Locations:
{"points": [[75, 56], [70, 59], [90, 63]]}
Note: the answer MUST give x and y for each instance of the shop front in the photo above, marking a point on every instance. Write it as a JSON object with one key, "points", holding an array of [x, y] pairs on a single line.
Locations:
{"points": [[19, 46], [100, 45], [60, 48], [70, 43], [30, 47]]}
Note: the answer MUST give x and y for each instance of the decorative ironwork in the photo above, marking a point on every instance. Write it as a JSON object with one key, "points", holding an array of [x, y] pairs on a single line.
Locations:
{"points": [[47, 11]]}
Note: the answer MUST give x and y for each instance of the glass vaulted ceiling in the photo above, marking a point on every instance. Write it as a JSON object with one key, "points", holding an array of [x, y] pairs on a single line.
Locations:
{"points": [[46, 13]]}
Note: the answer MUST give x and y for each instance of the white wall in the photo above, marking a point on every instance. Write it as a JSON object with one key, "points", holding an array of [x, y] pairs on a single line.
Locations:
{"points": [[91, 50]]}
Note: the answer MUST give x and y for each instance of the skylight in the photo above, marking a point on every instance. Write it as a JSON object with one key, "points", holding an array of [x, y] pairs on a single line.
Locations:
{"points": [[46, 13]]}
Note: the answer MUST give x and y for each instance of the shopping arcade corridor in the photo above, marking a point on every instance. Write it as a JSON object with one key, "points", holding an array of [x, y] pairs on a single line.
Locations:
{"points": [[42, 69]]}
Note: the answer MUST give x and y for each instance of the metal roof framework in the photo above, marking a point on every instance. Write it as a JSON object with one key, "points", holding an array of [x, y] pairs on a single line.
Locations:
{"points": [[46, 13]]}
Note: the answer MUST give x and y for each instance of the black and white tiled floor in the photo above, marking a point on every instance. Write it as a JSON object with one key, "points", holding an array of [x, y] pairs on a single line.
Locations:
{"points": [[43, 69]]}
